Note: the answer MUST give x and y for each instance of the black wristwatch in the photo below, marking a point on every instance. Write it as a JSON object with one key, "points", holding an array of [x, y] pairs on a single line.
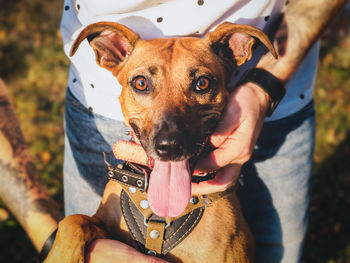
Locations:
{"points": [[268, 82]]}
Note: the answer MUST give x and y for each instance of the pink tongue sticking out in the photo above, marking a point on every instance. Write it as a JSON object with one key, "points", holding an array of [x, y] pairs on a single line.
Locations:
{"points": [[169, 188]]}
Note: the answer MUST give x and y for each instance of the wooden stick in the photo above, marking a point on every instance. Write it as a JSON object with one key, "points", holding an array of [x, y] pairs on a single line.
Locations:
{"points": [[21, 187]]}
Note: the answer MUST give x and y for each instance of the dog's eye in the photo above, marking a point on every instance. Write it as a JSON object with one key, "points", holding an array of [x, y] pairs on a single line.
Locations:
{"points": [[203, 84], [140, 83]]}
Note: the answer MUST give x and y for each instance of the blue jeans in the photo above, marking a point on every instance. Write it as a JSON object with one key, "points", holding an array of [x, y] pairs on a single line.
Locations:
{"points": [[87, 137], [276, 191], [274, 198]]}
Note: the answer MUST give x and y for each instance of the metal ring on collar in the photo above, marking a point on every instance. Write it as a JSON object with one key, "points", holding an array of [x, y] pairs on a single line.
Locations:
{"points": [[151, 252]]}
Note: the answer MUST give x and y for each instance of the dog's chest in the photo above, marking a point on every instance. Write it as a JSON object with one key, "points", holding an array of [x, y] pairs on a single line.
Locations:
{"points": [[214, 230]]}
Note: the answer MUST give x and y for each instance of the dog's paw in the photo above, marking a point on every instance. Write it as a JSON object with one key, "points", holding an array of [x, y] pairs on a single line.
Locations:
{"points": [[74, 233]]}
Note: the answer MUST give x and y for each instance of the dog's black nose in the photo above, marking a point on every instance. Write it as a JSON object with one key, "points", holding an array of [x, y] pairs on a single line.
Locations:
{"points": [[169, 147]]}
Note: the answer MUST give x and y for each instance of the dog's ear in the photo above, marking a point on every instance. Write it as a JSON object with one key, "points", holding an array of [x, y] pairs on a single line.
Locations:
{"points": [[111, 42], [235, 42]]}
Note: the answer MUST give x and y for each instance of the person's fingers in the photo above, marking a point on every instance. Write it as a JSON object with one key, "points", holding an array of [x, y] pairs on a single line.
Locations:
{"points": [[229, 123], [226, 177], [111, 251], [237, 148]]}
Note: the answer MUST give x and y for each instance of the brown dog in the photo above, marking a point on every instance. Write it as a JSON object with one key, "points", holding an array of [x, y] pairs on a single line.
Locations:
{"points": [[174, 92]]}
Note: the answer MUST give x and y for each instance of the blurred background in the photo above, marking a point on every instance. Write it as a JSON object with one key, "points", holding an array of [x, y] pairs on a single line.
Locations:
{"points": [[35, 70]]}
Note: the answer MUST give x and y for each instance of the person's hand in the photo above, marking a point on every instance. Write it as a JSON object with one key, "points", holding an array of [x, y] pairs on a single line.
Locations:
{"points": [[111, 251], [234, 138]]}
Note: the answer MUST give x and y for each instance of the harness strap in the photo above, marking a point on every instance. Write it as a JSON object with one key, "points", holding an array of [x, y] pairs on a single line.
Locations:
{"points": [[154, 235], [139, 199]]}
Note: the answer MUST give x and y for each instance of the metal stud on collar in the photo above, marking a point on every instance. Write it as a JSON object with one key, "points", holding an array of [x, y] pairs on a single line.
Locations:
{"points": [[154, 234], [194, 200], [144, 204], [110, 173], [139, 183], [124, 178], [132, 189]]}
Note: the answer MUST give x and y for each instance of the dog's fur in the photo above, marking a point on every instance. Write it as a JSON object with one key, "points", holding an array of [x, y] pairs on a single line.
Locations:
{"points": [[171, 119]]}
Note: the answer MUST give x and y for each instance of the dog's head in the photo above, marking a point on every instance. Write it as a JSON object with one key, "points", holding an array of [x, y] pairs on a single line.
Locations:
{"points": [[174, 90]]}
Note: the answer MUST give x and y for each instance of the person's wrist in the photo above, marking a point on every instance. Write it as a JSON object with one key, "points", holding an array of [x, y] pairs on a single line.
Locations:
{"points": [[260, 94], [267, 82], [279, 68]]}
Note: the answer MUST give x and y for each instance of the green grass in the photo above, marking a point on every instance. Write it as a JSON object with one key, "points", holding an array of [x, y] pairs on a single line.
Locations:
{"points": [[328, 238], [35, 70]]}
